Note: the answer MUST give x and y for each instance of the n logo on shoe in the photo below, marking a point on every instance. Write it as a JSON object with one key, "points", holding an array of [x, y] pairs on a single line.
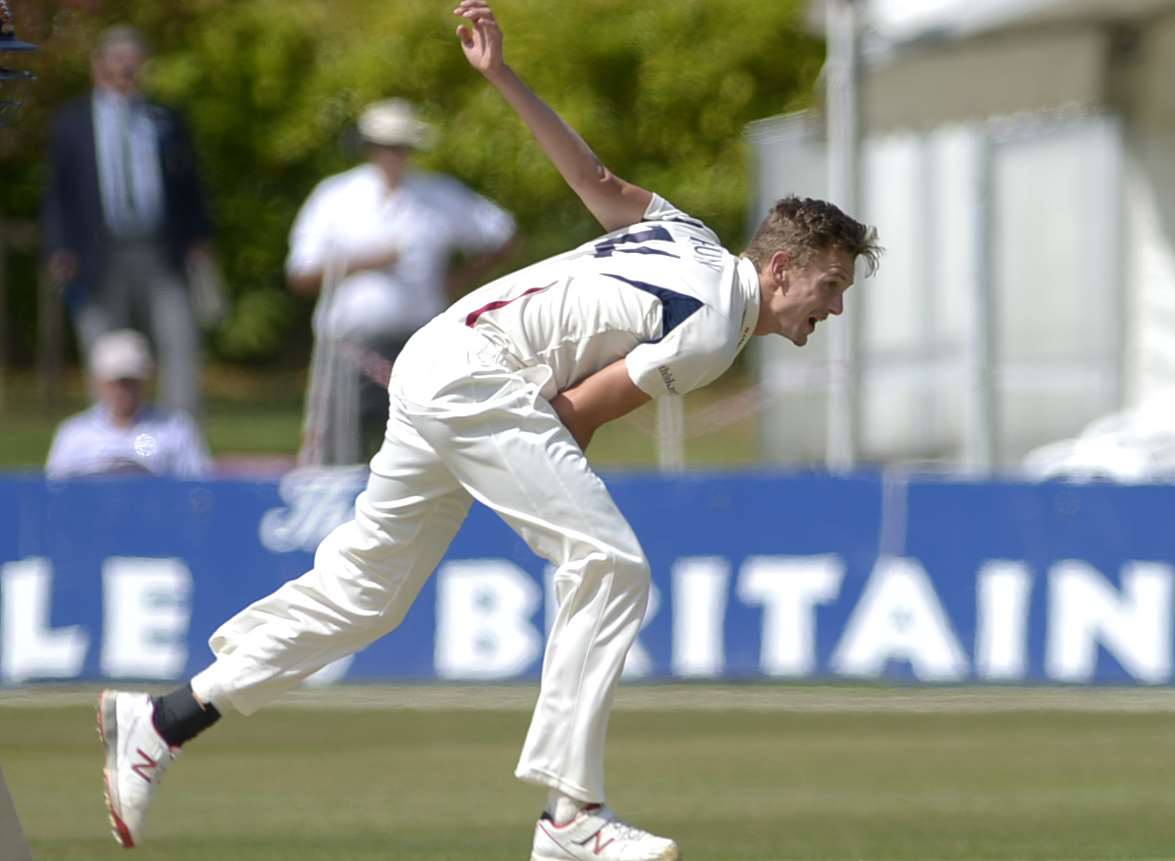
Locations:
{"points": [[598, 847], [140, 768]]}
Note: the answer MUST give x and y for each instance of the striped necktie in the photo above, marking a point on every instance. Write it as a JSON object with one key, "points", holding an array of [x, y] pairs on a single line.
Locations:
{"points": [[126, 117]]}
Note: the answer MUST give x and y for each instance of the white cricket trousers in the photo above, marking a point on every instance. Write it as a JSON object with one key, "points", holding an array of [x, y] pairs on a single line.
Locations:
{"points": [[463, 425]]}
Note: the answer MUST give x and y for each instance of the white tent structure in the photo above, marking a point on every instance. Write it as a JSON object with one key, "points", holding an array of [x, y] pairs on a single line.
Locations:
{"points": [[1018, 159]]}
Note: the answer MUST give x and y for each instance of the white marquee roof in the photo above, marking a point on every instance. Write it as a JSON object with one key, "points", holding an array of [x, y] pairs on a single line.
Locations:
{"points": [[905, 20], [935, 61]]}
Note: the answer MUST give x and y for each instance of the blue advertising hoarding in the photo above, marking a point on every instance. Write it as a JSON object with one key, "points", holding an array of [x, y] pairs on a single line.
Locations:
{"points": [[780, 576]]}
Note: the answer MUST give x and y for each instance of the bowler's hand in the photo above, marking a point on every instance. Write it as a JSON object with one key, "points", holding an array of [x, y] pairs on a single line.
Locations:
{"points": [[481, 42]]}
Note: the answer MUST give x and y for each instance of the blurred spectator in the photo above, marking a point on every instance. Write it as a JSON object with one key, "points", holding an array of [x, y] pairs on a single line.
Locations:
{"points": [[125, 218], [122, 433], [376, 243]]}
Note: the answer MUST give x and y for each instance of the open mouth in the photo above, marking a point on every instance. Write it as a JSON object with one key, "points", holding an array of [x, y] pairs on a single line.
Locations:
{"points": [[812, 321]]}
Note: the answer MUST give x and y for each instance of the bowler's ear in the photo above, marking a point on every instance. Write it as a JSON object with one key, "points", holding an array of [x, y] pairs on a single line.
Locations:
{"points": [[779, 265]]}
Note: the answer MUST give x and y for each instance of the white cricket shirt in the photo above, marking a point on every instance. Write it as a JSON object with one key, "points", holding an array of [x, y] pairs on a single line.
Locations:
{"points": [[663, 293], [425, 219]]}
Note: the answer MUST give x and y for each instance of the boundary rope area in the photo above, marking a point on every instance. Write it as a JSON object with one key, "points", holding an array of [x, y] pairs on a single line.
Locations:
{"points": [[780, 698]]}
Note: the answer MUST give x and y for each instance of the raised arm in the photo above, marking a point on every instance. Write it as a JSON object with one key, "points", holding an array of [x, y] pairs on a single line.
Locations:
{"points": [[613, 201]]}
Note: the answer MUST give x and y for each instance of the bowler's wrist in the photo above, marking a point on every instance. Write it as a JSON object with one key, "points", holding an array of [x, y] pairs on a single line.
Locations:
{"points": [[499, 75]]}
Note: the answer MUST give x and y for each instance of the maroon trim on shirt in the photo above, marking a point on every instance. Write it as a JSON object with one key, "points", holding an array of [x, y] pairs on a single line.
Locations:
{"points": [[471, 318]]}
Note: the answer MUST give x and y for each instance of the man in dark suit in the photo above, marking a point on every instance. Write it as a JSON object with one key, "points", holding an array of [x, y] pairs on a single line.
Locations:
{"points": [[125, 218]]}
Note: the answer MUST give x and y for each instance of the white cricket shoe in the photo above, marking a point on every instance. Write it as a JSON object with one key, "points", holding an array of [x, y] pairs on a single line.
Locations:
{"points": [[136, 758], [595, 834]]}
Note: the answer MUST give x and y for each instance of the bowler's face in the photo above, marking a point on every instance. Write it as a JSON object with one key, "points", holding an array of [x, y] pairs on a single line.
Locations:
{"points": [[810, 294]]}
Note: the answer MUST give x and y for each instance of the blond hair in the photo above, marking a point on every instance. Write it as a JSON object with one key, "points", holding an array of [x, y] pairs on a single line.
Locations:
{"points": [[803, 226]]}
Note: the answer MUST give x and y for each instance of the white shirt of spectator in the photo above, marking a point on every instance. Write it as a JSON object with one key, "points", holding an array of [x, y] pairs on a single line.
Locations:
{"points": [[158, 442], [663, 293], [426, 218], [126, 145]]}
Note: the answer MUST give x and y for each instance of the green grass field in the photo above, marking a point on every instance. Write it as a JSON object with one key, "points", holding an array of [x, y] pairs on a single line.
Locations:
{"points": [[839, 782], [253, 420]]}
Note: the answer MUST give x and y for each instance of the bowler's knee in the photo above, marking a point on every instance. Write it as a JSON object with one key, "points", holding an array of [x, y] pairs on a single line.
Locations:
{"points": [[631, 569]]}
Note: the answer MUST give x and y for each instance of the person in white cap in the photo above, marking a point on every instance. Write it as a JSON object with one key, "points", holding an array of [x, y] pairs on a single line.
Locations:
{"points": [[376, 244], [122, 432], [496, 400]]}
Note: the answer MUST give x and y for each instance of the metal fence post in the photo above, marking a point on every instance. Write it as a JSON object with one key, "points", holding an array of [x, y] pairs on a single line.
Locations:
{"points": [[844, 156]]}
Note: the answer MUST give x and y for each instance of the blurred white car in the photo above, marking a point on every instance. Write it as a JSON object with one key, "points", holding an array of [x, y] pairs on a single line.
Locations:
{"points": [[1132, 446]]}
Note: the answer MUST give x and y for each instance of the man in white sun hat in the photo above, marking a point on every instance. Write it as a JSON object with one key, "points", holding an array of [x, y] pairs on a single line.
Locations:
{"points": [[375, 243], [122, 432]]}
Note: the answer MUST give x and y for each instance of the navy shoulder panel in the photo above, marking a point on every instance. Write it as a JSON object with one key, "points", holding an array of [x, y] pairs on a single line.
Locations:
{"points": [[676, 307]]}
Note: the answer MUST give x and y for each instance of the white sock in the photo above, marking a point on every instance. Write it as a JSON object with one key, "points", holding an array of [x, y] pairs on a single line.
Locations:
{"points": [[563, 807]]}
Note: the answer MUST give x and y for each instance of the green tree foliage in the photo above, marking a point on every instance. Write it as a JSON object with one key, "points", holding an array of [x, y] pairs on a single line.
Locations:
{"points": [[662, 90]]}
